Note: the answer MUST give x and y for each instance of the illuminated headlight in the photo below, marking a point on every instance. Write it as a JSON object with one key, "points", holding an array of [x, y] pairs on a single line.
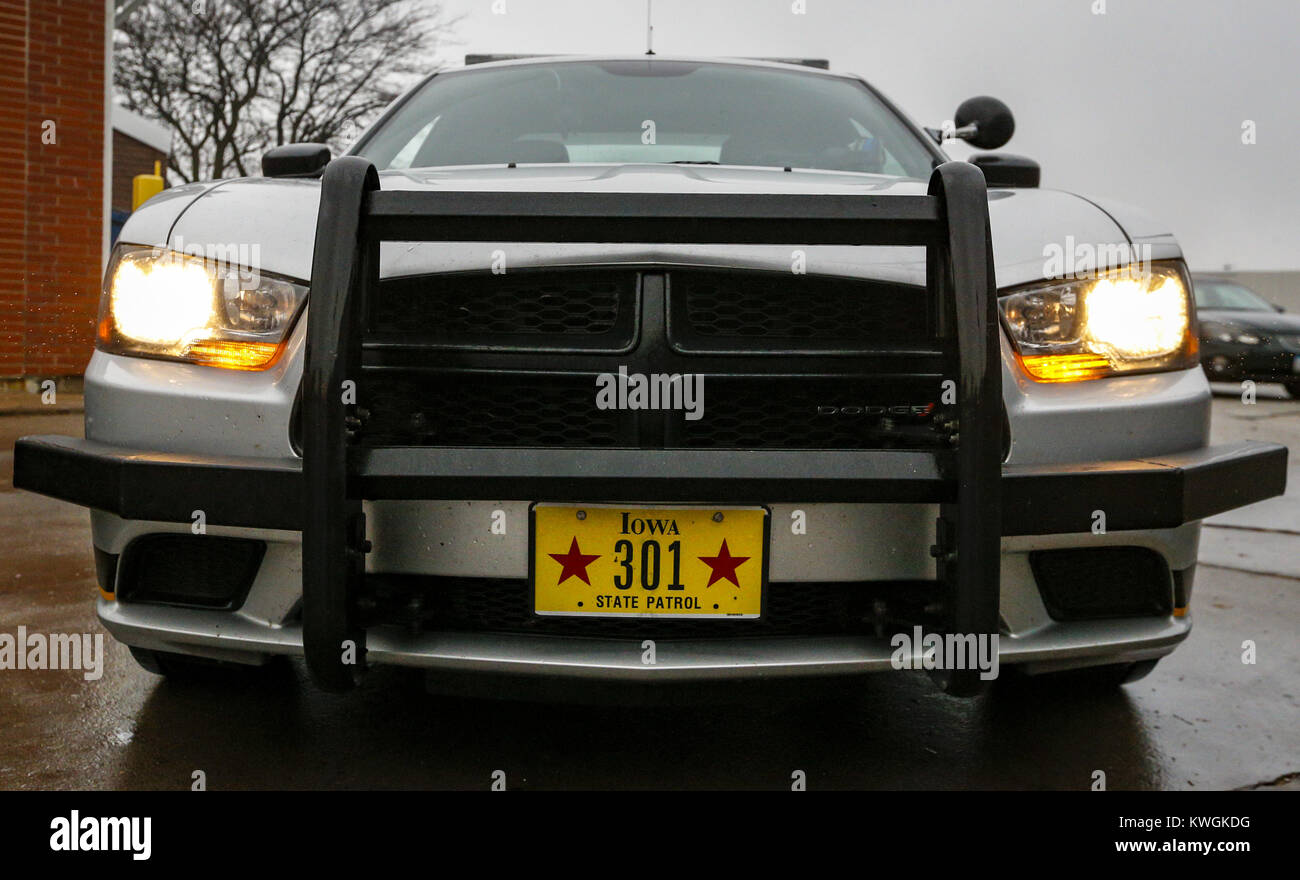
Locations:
{"points": [[1118, 322], [160, 303]]}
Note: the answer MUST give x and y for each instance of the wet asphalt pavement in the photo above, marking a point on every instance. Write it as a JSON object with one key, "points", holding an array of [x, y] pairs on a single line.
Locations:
{"points": [[1201, 720]]}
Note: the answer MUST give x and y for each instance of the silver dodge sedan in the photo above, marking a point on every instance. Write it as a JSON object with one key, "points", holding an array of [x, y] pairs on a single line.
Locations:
{"points": [[648, 369]]}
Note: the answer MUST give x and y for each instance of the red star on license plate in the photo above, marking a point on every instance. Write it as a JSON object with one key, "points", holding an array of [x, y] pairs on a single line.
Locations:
{"points": [[724, 565], [575, 563]]}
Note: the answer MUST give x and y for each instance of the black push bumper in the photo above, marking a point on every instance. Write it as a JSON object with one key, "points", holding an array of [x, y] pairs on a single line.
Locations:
{"points": [[979, 500], [356, 216], [1159, 492]]}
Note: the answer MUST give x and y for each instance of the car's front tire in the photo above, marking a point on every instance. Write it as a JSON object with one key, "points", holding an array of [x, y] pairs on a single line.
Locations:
{"points": [[1098, 678], [1117, 674], [184, 668], [1292, 388]]}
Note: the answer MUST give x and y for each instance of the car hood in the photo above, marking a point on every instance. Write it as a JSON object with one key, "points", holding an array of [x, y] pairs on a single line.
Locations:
{"points": [[1271, 323], [274, 221]]}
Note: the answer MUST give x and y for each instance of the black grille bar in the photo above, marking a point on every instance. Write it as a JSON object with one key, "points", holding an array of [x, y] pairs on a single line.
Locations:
{"points": [[951, 221], [1158, 492], [658, 218]]}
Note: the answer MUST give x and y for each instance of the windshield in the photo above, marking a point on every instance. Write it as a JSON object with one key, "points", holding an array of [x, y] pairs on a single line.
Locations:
{"points": [[1226, 295], [648, 111]]}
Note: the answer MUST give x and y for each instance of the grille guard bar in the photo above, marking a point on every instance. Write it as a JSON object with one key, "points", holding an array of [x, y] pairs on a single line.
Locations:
{"points": [[1156, 492], [951, 222]]}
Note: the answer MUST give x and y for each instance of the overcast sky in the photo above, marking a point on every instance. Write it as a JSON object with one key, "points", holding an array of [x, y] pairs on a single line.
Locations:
{"points": [[1143, 104]]}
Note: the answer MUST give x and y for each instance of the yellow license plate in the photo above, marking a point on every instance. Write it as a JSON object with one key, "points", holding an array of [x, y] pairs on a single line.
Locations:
{"points": [[640, 561]]}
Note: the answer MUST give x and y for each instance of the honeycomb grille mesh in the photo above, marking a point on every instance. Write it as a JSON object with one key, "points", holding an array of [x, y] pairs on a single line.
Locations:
{"points": [[515, 384], [786, 308], [473, 308], [809, 414], [547, 410], [418, 409], [500, 605]]}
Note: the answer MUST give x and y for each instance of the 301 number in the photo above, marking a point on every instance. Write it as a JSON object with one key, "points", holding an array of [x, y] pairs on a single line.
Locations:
{"points": [[650, 566]]}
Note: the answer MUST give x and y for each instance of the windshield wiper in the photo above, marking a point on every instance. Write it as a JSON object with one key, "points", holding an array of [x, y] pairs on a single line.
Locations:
{"points": [[693, 162]]}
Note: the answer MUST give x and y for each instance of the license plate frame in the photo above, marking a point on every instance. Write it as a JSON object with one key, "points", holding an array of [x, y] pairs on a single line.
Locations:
{"points": [[764, 543]]}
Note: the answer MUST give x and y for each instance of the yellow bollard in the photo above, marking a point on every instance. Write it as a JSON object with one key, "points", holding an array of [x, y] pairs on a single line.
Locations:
{"points": [[146, 186]]}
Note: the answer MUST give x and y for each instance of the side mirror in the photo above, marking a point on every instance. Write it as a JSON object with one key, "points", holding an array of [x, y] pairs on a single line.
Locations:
{"points": [[984, 122], [296, 160], [1004, 169]]}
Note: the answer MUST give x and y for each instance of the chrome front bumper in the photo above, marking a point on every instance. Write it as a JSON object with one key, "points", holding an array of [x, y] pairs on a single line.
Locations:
{"points": [[227, 636], [1155, 502]]}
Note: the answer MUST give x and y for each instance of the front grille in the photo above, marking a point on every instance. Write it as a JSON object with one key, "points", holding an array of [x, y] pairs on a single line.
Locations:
{"points": [[438, 409], [808, 413], [750, 311], [427, 408], [525, 309], [790, 609], [789, 361]]}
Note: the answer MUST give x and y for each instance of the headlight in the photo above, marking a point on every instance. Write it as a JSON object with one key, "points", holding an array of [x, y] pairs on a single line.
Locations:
{"points": [[1227, 333], [1119, 322], [160, 303], [1216, 332]]}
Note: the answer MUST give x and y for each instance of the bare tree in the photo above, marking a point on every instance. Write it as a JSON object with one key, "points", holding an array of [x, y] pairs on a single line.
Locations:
{"points": [[233, 78]]}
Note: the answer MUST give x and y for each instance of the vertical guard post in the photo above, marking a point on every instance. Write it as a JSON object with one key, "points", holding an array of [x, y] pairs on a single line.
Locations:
{"points": [[345, 269], [970, 531]]}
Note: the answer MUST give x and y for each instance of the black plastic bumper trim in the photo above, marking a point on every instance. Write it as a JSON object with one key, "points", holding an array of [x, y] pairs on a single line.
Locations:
{"points": [[662, 218], [106, 571], [1160, 492], [161, 486], [1153, 493]]}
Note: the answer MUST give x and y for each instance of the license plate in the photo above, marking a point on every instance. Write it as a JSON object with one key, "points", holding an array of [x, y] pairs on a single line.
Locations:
{"points": [[645, 561]]}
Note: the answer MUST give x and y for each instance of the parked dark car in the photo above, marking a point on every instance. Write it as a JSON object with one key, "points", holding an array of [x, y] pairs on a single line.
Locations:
{"points": [[1244, 336]]}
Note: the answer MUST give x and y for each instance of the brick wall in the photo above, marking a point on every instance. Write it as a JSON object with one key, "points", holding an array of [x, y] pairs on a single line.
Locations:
{"points": [[13, 176], [51, 194]]}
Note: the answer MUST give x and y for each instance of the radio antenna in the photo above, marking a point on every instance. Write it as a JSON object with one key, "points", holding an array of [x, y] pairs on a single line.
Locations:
{"points": [[649, 28]]}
